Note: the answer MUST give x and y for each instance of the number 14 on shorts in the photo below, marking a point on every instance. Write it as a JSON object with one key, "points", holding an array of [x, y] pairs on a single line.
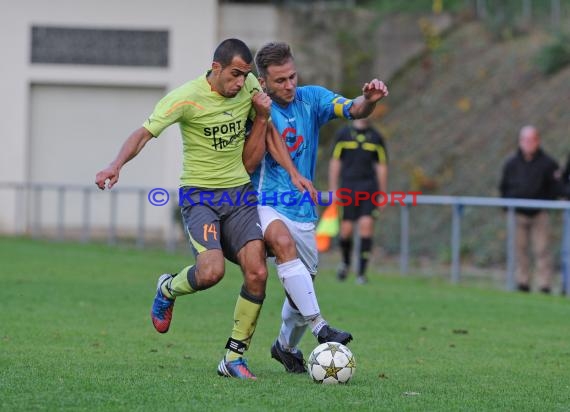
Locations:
{"points": [[210, 230]]}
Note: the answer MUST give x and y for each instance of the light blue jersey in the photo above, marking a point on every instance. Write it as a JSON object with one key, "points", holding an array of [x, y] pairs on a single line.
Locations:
{"points": [[298, 124]]}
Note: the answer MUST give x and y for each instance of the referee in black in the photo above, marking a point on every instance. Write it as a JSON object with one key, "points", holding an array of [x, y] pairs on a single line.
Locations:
{"points": [[360, 160]]}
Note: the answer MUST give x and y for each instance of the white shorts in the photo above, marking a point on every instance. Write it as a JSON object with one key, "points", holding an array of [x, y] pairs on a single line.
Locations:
{"points": [[303, 234]]}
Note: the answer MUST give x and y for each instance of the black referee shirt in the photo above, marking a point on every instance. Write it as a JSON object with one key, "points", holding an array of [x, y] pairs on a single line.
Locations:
{"points": [[359, 151]]}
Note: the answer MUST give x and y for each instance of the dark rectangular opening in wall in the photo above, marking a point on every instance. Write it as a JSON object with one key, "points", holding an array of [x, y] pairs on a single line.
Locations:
{"points": [[108, 47]]}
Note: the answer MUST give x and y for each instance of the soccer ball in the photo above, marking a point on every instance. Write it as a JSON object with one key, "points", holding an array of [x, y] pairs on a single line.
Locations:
{"points": [[331, 362]]}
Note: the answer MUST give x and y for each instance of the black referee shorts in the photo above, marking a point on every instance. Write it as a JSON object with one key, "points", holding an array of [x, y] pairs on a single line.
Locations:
{"points": [[366, 207]]}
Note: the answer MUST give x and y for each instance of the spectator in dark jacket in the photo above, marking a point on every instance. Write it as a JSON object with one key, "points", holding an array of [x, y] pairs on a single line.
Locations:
{"points": [[566, 179], [531, 174]]}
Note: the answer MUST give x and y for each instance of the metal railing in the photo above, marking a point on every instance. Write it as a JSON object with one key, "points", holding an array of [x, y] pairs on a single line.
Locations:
{"points": [[27, 219], [29, 203], [458, 203]]}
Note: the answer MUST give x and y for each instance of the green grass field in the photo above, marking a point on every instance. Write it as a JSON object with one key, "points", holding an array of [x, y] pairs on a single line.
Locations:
{"points": [[75, 334]]}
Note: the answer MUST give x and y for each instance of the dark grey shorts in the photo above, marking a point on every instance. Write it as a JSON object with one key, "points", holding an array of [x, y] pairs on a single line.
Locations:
{"points": [[223, 219]]}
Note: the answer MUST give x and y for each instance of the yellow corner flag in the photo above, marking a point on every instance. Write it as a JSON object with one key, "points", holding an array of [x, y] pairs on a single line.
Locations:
{"points": [[327, 228]]}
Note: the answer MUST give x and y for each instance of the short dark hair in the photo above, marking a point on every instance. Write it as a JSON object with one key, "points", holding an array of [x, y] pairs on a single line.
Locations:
{"points": [[228, 49], [272, 54]]}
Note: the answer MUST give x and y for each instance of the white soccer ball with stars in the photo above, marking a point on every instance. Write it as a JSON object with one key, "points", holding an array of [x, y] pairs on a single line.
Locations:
{"points": [[331, 362]]}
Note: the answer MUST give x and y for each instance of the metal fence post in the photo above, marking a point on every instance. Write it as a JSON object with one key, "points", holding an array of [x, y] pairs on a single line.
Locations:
{"points": [[19, 215], [140, 230], [171, 235], [86, 233], [112, 239], [565, 254], [456, 242], [404, 238], [356, 250], [36, 190], [511, 251], [60, 213]]}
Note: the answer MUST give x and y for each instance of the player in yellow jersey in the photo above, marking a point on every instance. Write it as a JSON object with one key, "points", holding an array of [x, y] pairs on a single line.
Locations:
{"points": [[216, 195]]}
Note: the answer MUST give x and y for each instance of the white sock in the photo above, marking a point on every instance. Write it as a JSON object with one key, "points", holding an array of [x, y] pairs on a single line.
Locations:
{"points": [[293, 327], [317, 324], [297, 281]]}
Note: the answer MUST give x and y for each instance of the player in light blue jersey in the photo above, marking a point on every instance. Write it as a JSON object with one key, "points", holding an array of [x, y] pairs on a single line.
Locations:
{"points": [[288, 222]]}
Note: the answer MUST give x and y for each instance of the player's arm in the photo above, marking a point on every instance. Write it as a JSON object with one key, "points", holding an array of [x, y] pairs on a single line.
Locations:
{"points": [[372, 92], [169, 110], [132, 146], [254, 147], [381, 170], [278, 150]]}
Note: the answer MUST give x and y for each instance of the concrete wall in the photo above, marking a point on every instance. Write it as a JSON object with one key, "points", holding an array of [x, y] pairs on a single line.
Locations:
{"points": [[255, 24], [30, 93]]}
